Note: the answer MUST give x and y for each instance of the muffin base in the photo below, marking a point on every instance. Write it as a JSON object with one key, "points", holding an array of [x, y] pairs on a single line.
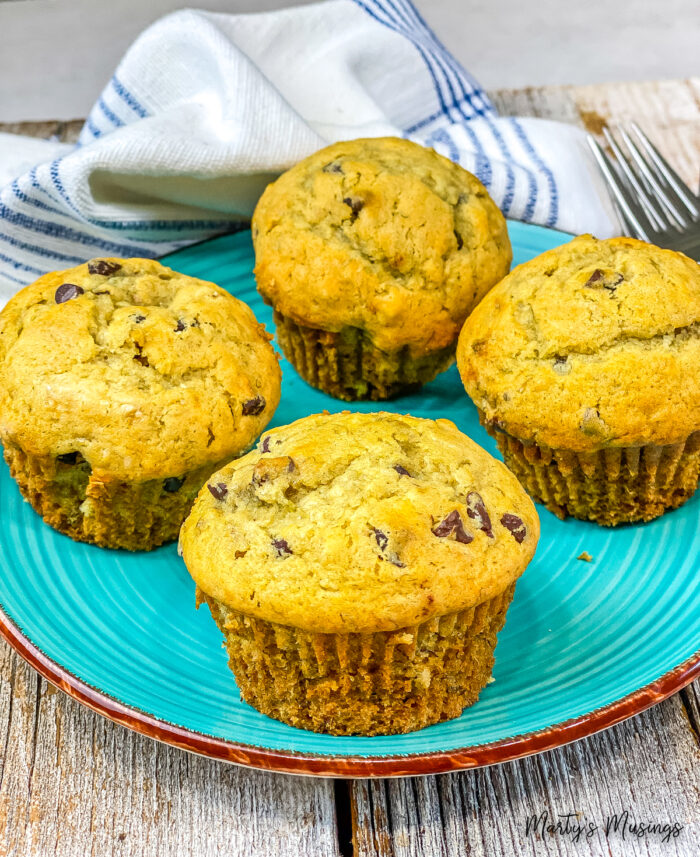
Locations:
{"points": [[348, 366], [109, 513], [379, 683], [612, 486]]}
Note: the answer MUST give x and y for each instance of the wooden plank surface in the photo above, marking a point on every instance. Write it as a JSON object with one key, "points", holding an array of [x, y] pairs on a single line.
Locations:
{"points": [[73, 784]]}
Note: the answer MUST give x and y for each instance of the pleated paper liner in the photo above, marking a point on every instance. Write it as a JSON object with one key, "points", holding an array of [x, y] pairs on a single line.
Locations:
{"points": [[348, 366], [610, 486], [110, 513], [378, 683]]}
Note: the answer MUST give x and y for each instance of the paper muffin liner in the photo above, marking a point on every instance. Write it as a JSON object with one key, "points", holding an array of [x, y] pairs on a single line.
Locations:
{"points": [[348, 366], [612, 486], [109, 513], [379, 683]]}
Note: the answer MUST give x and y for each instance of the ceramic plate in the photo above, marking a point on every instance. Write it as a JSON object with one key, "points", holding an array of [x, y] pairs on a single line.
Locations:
{"points": [[586, 644]]}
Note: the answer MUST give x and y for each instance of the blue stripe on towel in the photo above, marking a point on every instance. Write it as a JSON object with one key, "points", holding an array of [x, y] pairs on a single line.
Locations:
{"points": [[127, 97], [538, 162]]}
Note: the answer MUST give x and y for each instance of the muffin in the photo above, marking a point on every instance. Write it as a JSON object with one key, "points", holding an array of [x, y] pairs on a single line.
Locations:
{"points": [[372, 253], [584, 364], [360, 567], [123, 385]]}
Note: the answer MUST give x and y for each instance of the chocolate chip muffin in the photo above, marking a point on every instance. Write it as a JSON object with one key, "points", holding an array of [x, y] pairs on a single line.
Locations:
{"points": [[123, 385], [585, 365], [372, 253], [360, 567]]}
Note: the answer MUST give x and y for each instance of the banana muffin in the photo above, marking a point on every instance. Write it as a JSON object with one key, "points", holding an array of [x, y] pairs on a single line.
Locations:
{"points": [[585, 365], [360, 567], [123, 385], [372, 253]]}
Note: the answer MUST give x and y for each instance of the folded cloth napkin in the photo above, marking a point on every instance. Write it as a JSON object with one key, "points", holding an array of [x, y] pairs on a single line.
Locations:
{"points": [[205, 109]]}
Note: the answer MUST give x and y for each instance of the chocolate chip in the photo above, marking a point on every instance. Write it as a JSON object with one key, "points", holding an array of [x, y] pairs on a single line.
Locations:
{"points": [[66, 292], [607, 281], [68, 458], [253, 407], [333, 167], [218, 490], [460, 242], [291, 467], [173, 484], [180, 326], [139, 318], [515, 525], [382, 538], [356, 205], [394, 560], [559, 360], [240, 555], [266, 444], [141, 358], [103, 267], [477, 510], [595, 277], [282, 548], [401, 470], [453, 524]]}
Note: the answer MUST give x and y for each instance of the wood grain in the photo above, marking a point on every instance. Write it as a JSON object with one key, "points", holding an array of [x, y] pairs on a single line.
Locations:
{"points": [[649, 765], [73, 784]]}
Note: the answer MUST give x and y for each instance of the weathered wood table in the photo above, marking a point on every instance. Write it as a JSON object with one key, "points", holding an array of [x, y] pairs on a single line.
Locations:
{"points": [[74, 784]]}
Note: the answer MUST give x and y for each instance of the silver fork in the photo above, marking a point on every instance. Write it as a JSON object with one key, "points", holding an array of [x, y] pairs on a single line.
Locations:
{"points": [[655, 203]]}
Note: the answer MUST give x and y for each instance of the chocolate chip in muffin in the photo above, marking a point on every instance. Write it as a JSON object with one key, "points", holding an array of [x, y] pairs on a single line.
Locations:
{"points": [[68, 457], [139, 357], [356, 205], [265, 445], [401, 470], [515, 526], [382, 538], [453, 524], [103, 267], [599, 279], [460, 242], [282, 548], [138, 318], [476, 509], [561, 365], [180, 326], [66, 292], [240, 555], [332, 167], [218, 490], [253, 407], [173, 484]]}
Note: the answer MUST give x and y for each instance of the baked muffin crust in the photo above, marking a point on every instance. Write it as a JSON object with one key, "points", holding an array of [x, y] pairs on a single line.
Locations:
{"points": [[143, 372], [592, 345], [359, 523], [382, 235]]}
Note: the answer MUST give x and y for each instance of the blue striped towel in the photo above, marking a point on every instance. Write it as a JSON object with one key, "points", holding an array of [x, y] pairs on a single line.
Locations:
{"points": [[205, 109]]}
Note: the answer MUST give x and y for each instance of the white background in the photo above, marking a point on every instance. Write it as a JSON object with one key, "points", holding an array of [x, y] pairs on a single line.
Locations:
{"points": [[55, 55]]}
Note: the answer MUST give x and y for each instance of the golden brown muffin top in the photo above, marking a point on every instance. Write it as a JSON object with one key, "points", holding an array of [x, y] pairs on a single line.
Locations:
{"points": [[359, 523], [380, 234], [145, 372], [591, 345]]}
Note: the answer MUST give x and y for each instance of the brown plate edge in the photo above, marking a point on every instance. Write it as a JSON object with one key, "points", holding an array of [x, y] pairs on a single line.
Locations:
{"points": [[289, 762]]}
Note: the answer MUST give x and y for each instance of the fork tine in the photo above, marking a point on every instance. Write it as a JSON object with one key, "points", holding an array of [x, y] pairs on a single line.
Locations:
{"points": [[647, 202], [669, 174], [673, 213], [632, 211]]}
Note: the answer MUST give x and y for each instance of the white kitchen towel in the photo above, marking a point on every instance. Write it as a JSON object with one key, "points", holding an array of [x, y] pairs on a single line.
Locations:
{"points": [[205, 109]]}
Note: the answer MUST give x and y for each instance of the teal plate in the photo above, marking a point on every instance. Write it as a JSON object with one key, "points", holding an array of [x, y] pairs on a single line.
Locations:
{"points": [[585, 644]]}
